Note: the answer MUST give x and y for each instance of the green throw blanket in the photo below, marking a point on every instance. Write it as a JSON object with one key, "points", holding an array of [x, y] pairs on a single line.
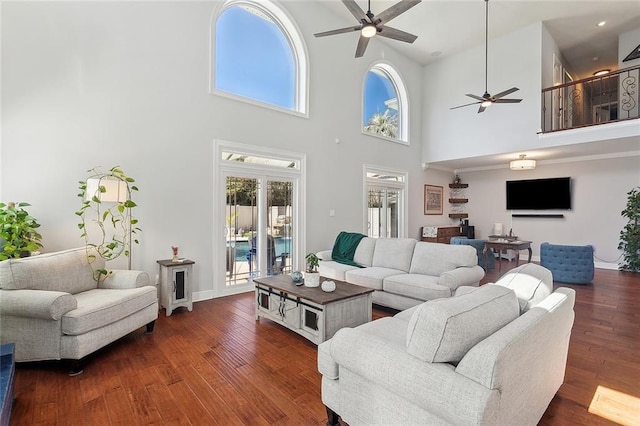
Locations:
{"points": [[345, 247]]}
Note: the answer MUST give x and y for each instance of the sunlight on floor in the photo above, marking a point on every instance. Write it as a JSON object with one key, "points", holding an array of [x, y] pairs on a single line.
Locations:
{"points": [[616, 406]]}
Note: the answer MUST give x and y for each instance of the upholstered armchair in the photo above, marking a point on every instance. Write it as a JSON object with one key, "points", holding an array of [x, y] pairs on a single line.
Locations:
{"points": [[52, 308]]}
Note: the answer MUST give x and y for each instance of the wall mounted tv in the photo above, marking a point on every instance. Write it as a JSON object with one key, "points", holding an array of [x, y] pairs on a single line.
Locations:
{"points": [[539, 194]]}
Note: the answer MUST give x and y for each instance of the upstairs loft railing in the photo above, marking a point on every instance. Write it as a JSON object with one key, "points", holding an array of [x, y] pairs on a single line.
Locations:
{"points": [[591, 101]]}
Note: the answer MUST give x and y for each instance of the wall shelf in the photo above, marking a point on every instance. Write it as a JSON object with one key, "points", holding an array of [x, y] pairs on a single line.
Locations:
{"points": [[458, 200], [458, 215]]}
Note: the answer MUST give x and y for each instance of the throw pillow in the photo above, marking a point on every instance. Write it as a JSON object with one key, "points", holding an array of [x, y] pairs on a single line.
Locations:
{"points": [[443, 330]]}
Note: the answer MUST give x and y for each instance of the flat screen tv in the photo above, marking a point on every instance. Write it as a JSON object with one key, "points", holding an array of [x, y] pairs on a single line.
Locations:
{"points": [[539, 194]]}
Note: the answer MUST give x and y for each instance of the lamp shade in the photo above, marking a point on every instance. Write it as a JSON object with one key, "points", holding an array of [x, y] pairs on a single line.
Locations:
{"points": [[115, 190], [522, 163]]}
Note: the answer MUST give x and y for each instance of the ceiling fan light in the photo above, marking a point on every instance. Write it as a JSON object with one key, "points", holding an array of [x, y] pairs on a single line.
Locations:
{"points": [[522, 163], [486, 103], [368, 31]]}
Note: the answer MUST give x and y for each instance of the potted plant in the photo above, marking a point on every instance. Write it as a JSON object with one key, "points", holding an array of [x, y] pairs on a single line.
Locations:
{"points": [[630, 235], [18, 234], [311, 275], [106, 218]]}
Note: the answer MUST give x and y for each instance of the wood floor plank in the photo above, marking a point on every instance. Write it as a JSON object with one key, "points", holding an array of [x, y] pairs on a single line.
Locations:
{"points": [[218, 365]]}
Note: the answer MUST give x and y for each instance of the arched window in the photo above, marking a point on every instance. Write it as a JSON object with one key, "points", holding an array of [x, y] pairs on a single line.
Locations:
{"points": [[385, 105], [259, 55]]}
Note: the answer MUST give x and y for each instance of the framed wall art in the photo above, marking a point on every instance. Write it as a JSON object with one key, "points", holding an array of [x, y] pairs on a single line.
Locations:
{"points": [[432, 199]]}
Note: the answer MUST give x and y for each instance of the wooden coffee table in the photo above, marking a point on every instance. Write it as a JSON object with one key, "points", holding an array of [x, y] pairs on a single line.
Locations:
{"points": [[310, 311], [507, 245]]}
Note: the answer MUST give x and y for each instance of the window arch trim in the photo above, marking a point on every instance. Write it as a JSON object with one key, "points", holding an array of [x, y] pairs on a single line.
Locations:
{"points": [[293, 35], [403, 101]]}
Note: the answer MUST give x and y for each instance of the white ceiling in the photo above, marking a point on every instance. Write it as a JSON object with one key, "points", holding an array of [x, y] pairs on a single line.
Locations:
{"points": [[448, 27]]}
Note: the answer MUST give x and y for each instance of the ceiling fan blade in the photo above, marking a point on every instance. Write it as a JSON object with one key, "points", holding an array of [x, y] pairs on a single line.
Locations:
{"points": [[476, 97], [362, 46], [355, 10], [505, 93], [396, 34], [339, 31], [507, 101], [396, 10], [465, 105], [481, 109]]}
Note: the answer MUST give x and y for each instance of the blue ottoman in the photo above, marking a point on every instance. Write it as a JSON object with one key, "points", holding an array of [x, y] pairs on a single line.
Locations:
{"points": [[479, 246], [569, 264]]}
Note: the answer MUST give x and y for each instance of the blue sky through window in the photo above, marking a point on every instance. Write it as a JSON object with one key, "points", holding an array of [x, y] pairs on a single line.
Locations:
{"points": [[378, 89], [253, 58]]}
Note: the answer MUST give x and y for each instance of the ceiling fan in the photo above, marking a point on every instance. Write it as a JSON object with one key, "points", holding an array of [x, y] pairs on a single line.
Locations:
{"points": [[487, 100], [371, 24]]}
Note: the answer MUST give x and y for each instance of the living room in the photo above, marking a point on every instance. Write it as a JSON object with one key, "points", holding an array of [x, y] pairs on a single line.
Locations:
{"points": [[128, 84]]}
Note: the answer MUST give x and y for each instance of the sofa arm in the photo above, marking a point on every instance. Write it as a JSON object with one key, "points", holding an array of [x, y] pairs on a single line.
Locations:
{"points": [[324, 255], [48, 305], [120, 279], [435, 387], [465, 275]]}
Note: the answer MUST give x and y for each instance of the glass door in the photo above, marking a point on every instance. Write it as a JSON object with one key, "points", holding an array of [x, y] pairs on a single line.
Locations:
{"points": [[263, 212]]}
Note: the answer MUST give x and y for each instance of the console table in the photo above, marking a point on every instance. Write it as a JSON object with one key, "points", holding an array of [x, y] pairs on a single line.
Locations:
{"points": [[310, 311], [506, 245]]}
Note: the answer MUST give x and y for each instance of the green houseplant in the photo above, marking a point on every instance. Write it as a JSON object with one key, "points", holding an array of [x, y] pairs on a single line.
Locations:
{"points": [[18, 231], [311, 276], [106, 215], [630, 234]]}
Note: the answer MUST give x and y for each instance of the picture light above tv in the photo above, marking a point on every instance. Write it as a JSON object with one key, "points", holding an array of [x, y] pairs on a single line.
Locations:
{"points": [[539, 194]]}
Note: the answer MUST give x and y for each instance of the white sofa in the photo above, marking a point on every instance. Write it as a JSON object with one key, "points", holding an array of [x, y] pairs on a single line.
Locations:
{"points": [[405, 272], [52, 308], [493, 355]]}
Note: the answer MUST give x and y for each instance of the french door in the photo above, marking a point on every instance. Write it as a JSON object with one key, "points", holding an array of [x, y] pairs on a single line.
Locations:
{"points": [[260, 221]]}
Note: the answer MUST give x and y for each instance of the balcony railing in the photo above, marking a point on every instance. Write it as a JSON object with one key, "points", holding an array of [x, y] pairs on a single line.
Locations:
{"points": [[591, 101]]}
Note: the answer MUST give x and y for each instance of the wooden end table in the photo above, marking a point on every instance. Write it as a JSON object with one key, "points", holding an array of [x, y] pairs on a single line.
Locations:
{"points": [[310, 311], [506, 245]]}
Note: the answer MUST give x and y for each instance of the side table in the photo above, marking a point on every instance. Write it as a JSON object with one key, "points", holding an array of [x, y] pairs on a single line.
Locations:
{"points": [[506, 245], [175, 284]]}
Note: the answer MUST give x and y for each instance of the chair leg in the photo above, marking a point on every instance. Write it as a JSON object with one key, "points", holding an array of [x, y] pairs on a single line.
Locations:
{"points": [[77, 367], [332, 417]]}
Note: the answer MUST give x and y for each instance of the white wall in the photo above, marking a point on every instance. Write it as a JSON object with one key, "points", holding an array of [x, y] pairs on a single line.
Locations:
{"points": [[89, 84], [514, 61], [599, 194]]}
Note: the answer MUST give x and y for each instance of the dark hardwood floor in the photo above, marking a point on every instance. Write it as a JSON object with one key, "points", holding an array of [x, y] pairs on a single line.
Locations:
{"points": [[217, 365]]}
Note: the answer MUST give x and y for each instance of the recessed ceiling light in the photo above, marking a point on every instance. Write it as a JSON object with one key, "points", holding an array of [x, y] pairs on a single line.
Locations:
{"points": [[602, 23], [601, 72], [436, 53], [595, 58]]}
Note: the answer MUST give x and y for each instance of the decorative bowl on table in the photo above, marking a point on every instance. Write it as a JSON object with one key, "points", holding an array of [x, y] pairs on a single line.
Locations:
{"points": [[296, 277], [328, 286]]}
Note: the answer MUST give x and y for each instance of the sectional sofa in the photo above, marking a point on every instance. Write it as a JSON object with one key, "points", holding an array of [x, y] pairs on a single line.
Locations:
{"points": [[405, 272], [489, 355]]}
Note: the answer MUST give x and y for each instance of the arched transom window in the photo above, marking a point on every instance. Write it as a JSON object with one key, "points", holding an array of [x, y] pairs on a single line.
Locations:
{"points": [[259, 56], [385, 106]]}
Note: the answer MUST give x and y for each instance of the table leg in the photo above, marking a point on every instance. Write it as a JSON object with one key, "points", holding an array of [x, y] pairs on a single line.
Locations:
{"points": [[529, 249], [517, 257], [484, 253], [500, 260]]}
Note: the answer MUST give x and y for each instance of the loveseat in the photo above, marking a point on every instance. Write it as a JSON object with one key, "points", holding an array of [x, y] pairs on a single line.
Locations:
{"points": [[489, 355], [52, 308], [405, 272]]}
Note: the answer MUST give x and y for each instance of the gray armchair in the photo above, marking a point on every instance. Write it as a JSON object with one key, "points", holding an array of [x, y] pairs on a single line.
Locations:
{"points": [[52, 308]]}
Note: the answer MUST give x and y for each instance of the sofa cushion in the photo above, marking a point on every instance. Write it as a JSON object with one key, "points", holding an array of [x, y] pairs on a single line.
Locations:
{"points": [[394, 253], [370, 277], [530, 282], [443, 330], [100, 307], [67, 271], [334, 270], [422, 287], [364, 252], [435, 258]]}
